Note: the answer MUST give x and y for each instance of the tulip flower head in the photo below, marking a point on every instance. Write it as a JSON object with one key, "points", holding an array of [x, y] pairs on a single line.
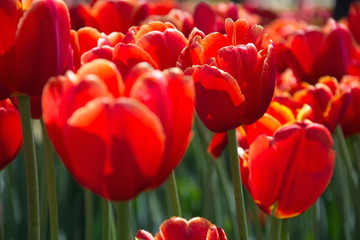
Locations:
{"points": [[10, 132], [234, 75], [177, 228], [288, 172], [350, 122], [315, 52], [119, 138], [37, 46]]}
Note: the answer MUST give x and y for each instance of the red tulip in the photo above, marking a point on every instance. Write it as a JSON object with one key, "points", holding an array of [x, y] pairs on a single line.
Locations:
{"points": [[234, 75], [133, 134], [82, 41], [177, 228], [210, 18], [40, 49], [350, 121], [10, 132], [354, 19], [118, 15], [314, 52], [182, 20], [80, 16], [289, 172], [328, 100], [157, 43]]}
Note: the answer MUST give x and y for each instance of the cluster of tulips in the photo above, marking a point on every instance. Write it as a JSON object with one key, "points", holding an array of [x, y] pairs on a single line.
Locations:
{"points": [[122, 88]]}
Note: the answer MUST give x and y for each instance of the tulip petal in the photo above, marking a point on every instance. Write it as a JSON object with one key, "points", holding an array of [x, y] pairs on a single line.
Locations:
{"points": [[254, 73], [107, 72], [198, 228], [144, 235], [128, 55], [43, 38], [108, 158], [105, 52], [177, 228], [9, 14], [204, 17], [10, 133], [211, 44], [219, 100], [291, 170], [165, 47], [113, 16], [170, 96], [60, 99]]}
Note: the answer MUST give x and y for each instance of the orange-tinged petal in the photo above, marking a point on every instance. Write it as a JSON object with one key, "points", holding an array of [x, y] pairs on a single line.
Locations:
{"points": [[88, 38], [164, 48], [236, 31], [281, 113], [267, 125], [105, 52], [83, 40], [107, 72], [211, 44], [153, 26]]}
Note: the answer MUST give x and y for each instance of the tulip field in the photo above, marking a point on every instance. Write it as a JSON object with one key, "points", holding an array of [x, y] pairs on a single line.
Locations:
{"points": [[179, 120]]}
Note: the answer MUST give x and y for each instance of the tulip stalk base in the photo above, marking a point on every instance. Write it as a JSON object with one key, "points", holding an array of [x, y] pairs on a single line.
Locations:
{"points": [[123, 215], [30, 168], [173, 194], [51, 186], [276, 229], [105, 205], [238, 189], [89, 214]]}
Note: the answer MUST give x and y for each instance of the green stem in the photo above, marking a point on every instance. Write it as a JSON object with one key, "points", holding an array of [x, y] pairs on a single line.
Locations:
{"points": [[226, 186], [344, 151], [1, 232], [238, 189], [174, 196], [315, 214], [123, 215], [31, 169], [105, 205], [256, 222], [356, 146], [51, 186], [285, 230], [342, 179], [275, 229], [89, 214]]}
